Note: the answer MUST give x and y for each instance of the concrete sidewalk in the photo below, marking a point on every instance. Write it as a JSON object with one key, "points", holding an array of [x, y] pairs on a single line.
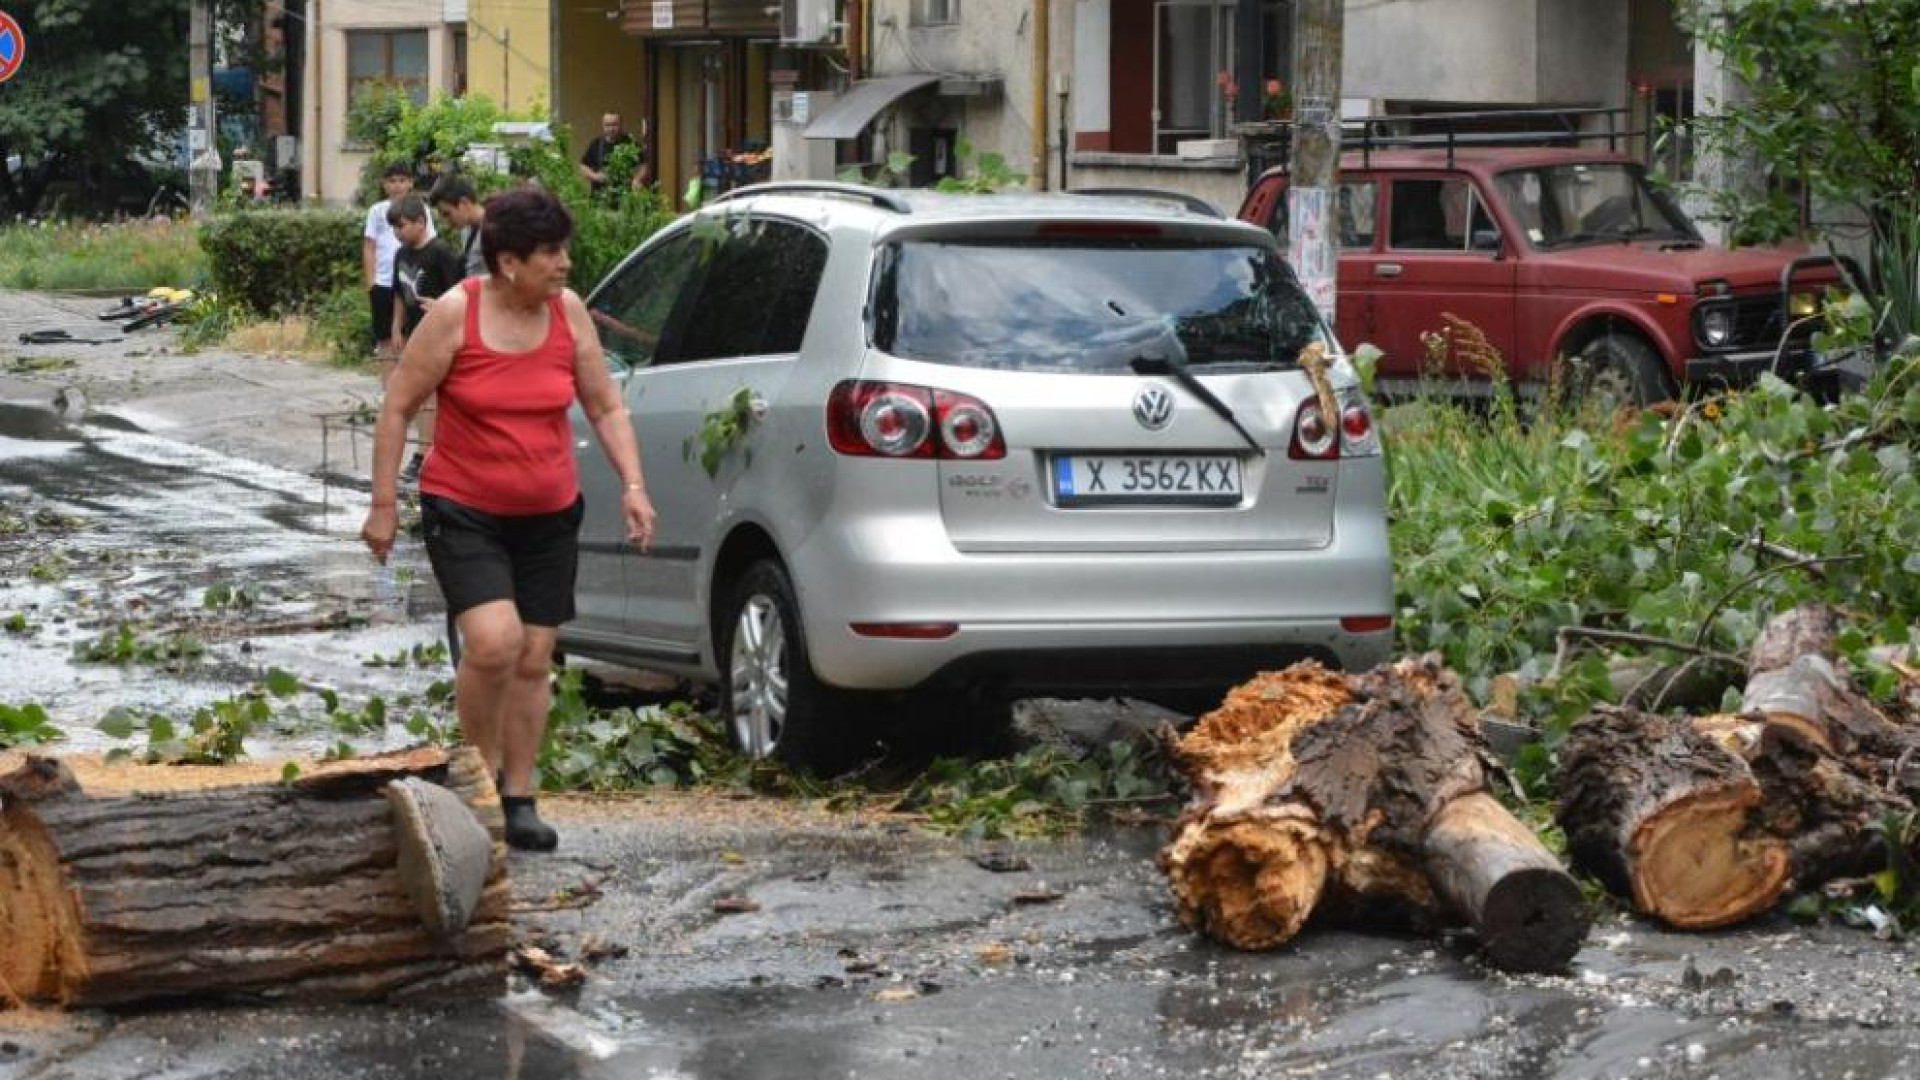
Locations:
{"points": [[262, 408]]}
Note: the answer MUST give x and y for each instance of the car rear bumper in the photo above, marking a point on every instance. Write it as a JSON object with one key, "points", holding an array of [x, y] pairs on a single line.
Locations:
{"points": [[1073, 622]]}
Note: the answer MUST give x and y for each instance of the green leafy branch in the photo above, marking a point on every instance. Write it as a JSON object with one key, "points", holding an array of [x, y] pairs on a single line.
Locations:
{"points": [[124, 645], [721, 430], [25, 725], [1041, 792], [589, 749]]}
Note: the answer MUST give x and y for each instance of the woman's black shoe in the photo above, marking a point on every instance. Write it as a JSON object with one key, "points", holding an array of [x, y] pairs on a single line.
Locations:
{"points": [[525, 830]]}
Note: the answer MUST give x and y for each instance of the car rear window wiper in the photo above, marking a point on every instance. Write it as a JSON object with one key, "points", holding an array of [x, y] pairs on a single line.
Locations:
{"points": [[1173, 361]]}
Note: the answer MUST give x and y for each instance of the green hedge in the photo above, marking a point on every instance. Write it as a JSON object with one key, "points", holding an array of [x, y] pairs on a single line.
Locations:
{"points": [[283, 260]]}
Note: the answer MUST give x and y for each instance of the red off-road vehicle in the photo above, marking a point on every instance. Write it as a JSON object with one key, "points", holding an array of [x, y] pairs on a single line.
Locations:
{"points": [[1560, 255]]}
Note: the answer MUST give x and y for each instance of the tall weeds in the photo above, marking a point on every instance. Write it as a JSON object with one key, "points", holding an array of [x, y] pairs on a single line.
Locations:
{"points": [[133, 255]]}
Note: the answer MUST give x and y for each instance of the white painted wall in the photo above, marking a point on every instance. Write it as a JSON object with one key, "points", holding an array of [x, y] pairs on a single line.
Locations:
{"points": [[1092, 64], [1441, 50]]}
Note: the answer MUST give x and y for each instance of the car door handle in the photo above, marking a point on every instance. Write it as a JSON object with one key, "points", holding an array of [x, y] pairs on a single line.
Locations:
{"points": [[1387, 269]]}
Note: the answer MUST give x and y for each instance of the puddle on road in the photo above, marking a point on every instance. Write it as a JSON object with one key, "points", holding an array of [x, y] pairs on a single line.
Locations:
{"points": [[165, 529]]}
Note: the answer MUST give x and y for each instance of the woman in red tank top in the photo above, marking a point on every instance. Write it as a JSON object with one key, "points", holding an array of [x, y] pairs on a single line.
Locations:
{"points": [[507, 356]]}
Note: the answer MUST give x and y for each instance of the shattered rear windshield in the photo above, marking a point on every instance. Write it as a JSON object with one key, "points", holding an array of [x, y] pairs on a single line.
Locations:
{"points": [[1093, 307]]}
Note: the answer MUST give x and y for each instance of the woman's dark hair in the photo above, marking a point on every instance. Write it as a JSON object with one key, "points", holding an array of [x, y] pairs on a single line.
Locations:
{"points": [[521, 222]]}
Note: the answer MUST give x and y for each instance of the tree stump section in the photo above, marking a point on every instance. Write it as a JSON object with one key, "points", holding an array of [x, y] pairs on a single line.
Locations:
{"points": [[130, 883], [1311, 786], [1661, 813]]}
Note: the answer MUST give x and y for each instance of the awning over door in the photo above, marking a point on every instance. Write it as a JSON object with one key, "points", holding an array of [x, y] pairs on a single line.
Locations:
{"points": [[856, 107]]}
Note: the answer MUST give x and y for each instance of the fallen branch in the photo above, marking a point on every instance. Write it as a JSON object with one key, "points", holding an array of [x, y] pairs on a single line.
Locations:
{"points": [[1706, 624], [1566, 635]]}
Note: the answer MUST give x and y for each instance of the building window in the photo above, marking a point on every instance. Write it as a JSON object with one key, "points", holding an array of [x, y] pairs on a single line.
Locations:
{"points": [[393, 57], [457, 78], [934, 13], [1193, 63]]}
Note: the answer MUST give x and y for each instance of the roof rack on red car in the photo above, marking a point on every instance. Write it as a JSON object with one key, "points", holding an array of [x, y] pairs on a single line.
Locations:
{"points": [[1486, 127]]}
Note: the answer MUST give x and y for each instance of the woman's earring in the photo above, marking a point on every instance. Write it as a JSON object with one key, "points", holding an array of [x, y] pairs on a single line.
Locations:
{"points": [[510, 277]]}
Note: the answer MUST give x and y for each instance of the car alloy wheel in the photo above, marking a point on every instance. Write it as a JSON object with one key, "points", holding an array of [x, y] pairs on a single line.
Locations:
{"points": [[758, 676]]}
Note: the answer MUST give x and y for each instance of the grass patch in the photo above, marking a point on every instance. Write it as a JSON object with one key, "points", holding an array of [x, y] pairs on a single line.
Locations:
{"points": [[73, 256]]}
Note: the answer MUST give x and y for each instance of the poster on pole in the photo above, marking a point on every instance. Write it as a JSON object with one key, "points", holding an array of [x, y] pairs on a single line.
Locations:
{"points": [[13, 47], [1314, 254]]}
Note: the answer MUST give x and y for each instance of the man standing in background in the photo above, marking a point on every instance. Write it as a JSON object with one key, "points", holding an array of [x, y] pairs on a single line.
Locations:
{"points": [[613, 135]]}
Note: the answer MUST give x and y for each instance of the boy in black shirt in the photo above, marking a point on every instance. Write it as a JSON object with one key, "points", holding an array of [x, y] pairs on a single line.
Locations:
{"points": [[423, 268]]}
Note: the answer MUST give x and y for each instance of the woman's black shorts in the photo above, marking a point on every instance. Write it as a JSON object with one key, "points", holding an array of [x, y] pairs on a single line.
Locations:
{"points": [[480, 557]]}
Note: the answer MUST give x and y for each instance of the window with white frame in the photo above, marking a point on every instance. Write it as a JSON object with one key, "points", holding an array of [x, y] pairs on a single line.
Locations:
{"points": [[387, 57], [934, 13]]}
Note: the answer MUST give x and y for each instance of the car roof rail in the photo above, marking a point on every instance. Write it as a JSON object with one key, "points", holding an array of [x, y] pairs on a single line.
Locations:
{"points": [[1482, 128], [1193, 203], [885, 200]]}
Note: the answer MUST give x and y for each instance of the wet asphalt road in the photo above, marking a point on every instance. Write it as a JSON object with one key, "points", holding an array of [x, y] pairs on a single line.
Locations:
{"points": [[875, 951]]}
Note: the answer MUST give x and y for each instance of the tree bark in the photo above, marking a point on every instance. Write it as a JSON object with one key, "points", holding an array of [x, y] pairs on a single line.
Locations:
{"points": [[1807, 630], [1312, 784], [129, 883], [1663, 814]]}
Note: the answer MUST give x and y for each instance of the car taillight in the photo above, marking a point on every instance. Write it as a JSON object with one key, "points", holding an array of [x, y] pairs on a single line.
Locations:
{"points": [[967, 427], [1358, 437], [881, 419], [1313, 437]]}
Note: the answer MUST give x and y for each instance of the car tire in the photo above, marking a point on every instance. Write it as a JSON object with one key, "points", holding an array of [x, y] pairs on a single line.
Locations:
{"points": [[771, 702], [1617, 370]]}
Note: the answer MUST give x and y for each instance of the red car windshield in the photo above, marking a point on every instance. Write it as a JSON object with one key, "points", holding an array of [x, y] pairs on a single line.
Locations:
{"points": [[1561, 206]]}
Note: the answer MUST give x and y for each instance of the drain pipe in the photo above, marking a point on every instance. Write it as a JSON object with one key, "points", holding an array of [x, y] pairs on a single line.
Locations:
{"points": [[311, 145], [1042, 42]]}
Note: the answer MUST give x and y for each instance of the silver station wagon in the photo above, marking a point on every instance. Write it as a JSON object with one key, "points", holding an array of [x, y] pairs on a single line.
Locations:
{"points": [[974, 448]]}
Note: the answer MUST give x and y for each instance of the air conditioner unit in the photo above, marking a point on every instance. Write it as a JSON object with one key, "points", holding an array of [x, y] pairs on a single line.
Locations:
{"points": [[808, 22]]}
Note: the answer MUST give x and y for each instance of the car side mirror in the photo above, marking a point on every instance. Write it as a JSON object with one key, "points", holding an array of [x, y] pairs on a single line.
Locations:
{"points": [[1486, 240]]}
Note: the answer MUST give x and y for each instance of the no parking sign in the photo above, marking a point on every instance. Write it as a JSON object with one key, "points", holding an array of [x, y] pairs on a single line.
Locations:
{"points": [[13, 46]]}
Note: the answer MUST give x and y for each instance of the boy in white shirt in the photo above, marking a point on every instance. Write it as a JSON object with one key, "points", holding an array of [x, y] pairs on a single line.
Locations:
{"points": [[378, 245]]}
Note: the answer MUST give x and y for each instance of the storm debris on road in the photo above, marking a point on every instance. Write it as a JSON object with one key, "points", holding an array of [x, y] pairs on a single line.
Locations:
{"points": [[129, 883], [1366, 794], [551, 974], [1706, 821]]}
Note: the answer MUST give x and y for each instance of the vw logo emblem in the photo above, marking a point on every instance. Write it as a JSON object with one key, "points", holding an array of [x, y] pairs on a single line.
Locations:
{"points": [[1153, 406]]}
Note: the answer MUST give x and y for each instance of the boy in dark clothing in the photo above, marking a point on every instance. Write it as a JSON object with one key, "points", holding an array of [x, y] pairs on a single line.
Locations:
{"points": [[423, 268]]}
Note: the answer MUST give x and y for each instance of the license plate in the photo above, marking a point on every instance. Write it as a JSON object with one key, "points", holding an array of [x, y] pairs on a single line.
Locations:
{"points": [[1088, 479]]}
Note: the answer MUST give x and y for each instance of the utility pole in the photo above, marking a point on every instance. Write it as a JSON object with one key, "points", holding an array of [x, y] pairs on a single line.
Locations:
{"points": [[203, 168], [1318, 28]]}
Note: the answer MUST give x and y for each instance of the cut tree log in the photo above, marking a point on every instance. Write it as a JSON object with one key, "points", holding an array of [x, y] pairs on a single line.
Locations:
{"points": [[122, 883], [1799, 684], [1661, 813], [1310, 784], [1825, 810]]}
